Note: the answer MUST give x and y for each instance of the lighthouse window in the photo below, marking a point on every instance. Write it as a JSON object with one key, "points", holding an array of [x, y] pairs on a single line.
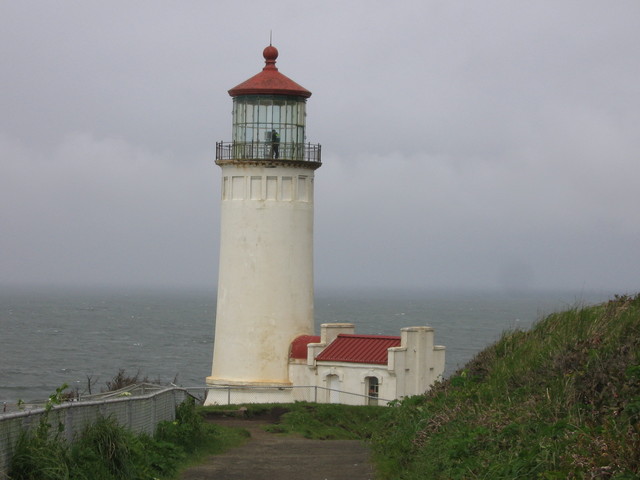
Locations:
{"points": [[239, 110], [248, 113], [248, 132], [276, 114], [293, 112]]}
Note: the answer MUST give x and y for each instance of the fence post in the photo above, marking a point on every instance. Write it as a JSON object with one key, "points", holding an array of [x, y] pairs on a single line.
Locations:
{"points": [[155, 416], [175, 404], [68, 423], [130, 414], [228, 395]]}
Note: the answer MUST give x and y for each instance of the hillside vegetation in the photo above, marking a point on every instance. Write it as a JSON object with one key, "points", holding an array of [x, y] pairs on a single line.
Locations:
{"points": [[560, 401]]}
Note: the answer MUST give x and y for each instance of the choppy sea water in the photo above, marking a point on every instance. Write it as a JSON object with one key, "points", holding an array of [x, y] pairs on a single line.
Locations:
{"points": [[50, 337]]}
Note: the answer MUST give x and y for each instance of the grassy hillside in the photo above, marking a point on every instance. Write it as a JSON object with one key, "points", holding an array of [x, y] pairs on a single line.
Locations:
{"points": [[560, 401]]}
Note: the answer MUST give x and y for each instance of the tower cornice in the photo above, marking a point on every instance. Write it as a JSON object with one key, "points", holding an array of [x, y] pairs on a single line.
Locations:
{"points": [[309, 165]]}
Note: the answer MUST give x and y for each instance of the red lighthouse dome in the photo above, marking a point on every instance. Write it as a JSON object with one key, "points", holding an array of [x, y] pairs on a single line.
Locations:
{"points": [[270, 81]]}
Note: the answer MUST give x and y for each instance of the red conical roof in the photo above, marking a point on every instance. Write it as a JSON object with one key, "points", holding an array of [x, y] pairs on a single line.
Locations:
{"points": [[269, 81]]}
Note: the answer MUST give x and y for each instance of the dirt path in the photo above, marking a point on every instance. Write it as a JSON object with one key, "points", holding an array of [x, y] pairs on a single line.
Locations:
{"points": [[274, 457]]}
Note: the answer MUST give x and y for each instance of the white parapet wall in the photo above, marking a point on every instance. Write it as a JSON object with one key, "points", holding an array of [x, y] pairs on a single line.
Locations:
{"points": [[417, 363]]}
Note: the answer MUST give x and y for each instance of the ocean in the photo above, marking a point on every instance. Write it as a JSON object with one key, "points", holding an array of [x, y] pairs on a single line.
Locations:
{"points": [[82, 337]]}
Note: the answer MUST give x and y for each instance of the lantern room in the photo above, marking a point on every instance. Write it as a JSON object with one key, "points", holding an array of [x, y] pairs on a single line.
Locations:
{"points": [[257, 117], [269, 113]]}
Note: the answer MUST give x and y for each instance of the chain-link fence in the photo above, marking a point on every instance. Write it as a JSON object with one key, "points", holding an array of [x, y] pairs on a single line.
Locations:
{"points": [[235, 395], [133, 408]]}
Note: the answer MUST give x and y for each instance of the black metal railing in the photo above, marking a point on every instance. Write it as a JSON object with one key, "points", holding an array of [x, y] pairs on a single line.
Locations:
{"points": [[301, 152]]}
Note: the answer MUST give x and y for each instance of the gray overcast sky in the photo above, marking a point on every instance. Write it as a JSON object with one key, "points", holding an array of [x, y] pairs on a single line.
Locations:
{"points": [[489, 144]]}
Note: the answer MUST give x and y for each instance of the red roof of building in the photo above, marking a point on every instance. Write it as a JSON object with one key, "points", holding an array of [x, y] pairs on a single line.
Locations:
{"points": [[299, 345], [359, 349], [269, 81]]}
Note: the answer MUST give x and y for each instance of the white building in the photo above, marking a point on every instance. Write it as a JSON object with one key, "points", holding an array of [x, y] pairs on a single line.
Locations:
{"points": [[265, 279], [366, 369]]}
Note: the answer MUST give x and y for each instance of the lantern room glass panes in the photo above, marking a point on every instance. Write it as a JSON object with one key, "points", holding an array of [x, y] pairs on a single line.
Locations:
{"points": [[255, 117]]}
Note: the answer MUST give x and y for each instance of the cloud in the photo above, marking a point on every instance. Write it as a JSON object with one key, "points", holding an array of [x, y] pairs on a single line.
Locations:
{"points": [[479, 145], [428, 221], [105, 211]]}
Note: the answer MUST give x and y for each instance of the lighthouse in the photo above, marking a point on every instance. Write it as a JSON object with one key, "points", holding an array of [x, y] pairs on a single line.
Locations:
{"points": [[265, 278]]}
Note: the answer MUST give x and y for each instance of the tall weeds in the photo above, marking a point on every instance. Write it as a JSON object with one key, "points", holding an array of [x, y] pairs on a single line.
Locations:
{"points": [[107, 451]]}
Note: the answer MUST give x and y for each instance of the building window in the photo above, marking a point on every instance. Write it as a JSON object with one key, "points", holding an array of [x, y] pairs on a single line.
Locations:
{"points": [[373, 386]]}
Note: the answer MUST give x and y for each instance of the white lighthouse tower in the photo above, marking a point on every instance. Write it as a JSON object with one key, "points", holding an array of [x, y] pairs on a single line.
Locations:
{"points": [[265, 281]]}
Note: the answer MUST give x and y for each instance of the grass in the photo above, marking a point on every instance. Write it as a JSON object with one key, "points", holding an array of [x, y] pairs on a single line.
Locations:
{"points": [[334, 422], [561, 401], [316, 421]]}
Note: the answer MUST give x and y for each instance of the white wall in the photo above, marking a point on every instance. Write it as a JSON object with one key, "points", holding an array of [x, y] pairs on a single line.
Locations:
{"points": [[265, 284]]}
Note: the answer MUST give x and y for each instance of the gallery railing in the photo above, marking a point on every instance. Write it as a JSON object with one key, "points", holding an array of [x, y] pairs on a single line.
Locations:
{"points": [[301, 152]]}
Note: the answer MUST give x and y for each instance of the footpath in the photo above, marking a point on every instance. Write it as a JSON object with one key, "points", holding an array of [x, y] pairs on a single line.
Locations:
{"points": [[274, 457]]}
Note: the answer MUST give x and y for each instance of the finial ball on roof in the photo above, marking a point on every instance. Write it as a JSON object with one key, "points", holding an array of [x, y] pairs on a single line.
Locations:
{"points": [[270, 53]]}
